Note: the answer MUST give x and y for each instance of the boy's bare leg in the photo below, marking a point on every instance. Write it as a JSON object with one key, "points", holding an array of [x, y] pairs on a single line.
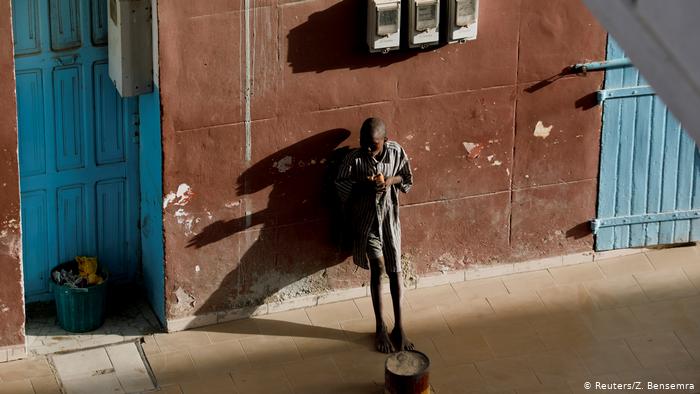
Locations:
{"points": [[382, 340], [398, 336]]}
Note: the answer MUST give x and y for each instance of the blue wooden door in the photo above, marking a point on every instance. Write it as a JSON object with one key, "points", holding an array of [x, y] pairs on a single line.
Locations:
{"points": [[649, 191], [78, 152]]}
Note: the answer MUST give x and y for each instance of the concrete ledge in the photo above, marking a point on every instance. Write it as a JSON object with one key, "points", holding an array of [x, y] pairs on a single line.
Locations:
{"points": [[13, 352], [472, 272]]}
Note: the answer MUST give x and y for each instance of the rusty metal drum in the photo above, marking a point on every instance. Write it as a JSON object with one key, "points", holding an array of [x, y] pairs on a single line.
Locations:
{"points": [[407, 372]]}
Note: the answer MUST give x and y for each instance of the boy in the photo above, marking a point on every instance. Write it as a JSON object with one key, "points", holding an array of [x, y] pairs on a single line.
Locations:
{"points": [[368, 183]]}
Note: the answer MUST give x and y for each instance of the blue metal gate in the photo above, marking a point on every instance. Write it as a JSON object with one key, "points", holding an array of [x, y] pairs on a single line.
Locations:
{"points": [[649, 190], [78, 143]]}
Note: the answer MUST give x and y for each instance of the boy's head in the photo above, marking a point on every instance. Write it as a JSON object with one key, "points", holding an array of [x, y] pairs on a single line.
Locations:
{"points": [[372, 135]]}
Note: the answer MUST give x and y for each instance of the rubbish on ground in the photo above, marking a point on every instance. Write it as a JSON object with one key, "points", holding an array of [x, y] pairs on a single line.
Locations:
{"points": [[82, 275]]}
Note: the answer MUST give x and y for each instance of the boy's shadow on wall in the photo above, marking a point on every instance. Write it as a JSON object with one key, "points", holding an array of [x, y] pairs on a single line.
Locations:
{"points": [[302, 231]]}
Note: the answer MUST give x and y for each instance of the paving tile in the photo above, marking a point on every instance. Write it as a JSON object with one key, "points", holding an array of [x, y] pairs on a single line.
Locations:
{"points": [[149, 345], [82, 363], [289, 323], [522, 304], [334, 312], [528, 281], [107, 383], [431, 296], [479, 288], [129, 367], [616, 292], [319, 375], [658, 348], [18, 386], [625, 265], [45, 385], [660, 315], [359, 328], [665, 284], [564, 330], [216, 384], [263, 380], [232, 330], [172, 367], [608, 356], [427, 322], [576, 273], [516, 340], [612, 323], [24, 369], [674, 257], [331, 339], [508, 373], [360, 366], [693, 273], [691, 306], [466, 315], [572, 297], [557, 367], [659, 374], [454, 377], [218, 359], [173, 341], [170, 389], [690, 338], [686, 372], [270, 350], [364, 305], [461, 349]]}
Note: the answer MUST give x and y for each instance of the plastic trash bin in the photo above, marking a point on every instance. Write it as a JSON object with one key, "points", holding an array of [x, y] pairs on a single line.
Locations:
{"points": [[80, 309]]}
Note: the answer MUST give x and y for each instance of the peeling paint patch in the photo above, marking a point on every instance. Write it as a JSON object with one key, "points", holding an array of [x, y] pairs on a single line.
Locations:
{"points": [[489, 157], [184, 219], [196, 268], [427, 147], [409, 137], [232, 204], [283, 164], [496, 163], [473, 149], [181, 197], [184, 302], [542, 131]]}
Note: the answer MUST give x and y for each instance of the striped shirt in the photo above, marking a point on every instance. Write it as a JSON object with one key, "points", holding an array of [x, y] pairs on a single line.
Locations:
{"points": [[366, 206]]}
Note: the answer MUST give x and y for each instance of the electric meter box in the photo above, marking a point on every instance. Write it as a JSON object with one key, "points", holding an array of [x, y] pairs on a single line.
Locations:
{"points": [[383, 25], [130, 46], [423, 27], [460, 20]]}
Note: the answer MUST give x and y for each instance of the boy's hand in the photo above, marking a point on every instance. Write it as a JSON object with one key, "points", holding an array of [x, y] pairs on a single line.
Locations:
{"points": [[377, 183]]}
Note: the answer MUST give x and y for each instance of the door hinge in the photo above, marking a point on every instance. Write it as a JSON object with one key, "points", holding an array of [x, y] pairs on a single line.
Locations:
{"points": [[634, 91], [597, 224]]}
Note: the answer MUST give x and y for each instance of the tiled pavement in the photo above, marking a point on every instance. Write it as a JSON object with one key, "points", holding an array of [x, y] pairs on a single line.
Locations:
{"points": [[616, 320], [129, 318]]}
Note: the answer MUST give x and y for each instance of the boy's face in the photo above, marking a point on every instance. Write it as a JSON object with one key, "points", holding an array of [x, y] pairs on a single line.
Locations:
{"points": [[373, 142]]}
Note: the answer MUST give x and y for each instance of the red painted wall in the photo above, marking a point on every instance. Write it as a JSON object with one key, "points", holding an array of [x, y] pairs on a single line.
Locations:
{"points": [[11, 296], [523, 196]]}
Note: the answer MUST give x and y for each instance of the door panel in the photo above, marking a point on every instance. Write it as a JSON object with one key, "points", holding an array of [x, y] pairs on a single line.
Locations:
{"points": [[78, 145], [650, 169]]}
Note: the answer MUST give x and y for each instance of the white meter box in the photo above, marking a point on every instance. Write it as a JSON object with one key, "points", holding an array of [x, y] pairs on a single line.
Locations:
{"points": [[130, 46], [383, 25], [423, 23], [461, 20]]}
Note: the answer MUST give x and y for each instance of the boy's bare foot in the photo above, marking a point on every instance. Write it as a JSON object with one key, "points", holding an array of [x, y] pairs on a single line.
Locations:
{"points": [[382, 341], [398, 337]]}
